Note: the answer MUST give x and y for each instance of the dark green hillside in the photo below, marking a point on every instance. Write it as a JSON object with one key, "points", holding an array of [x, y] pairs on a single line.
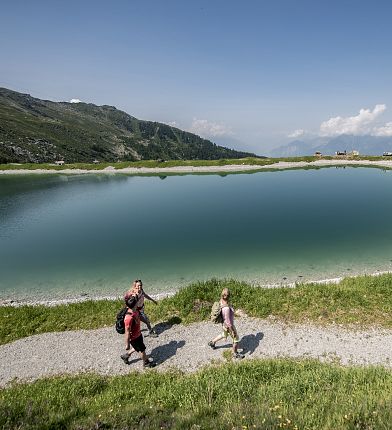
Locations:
{"points": [[37, 131]]}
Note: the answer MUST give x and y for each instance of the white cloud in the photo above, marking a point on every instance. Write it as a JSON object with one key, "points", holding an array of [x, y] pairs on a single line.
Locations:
{"points": [[173, 124], [205, 128], [385, 130], [356, 125], [75, 101], [297, 133]]}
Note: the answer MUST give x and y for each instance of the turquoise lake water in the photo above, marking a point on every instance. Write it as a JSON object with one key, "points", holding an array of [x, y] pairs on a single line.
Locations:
{"points": [[66, 236]]}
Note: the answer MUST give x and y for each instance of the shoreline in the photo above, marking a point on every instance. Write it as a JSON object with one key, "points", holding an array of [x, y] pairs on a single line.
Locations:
{"points": [[16, 303], [159, 296], [281, 165]]}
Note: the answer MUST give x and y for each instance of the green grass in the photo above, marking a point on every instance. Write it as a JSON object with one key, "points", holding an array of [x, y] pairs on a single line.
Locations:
{"points": [[360, 301], [255, 394], [363, 300], [25, 321]]}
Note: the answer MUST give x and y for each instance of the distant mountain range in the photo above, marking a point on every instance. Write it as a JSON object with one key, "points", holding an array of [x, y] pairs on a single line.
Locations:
{"points": [[366, 145], [34, 130]]}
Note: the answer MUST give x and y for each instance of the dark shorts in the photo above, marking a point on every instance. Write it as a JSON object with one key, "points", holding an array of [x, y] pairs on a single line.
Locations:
{"points": [[138, 344]]}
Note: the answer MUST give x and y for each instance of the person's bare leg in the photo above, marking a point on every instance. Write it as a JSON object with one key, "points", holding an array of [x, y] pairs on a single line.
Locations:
{"points": [[144, 318], [146, 361], [218, 338], [126, 355], [212, 342]]}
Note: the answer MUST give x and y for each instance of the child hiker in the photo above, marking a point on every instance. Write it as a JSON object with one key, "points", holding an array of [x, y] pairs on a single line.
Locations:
{"points": [[133, 335], [227, 324]]}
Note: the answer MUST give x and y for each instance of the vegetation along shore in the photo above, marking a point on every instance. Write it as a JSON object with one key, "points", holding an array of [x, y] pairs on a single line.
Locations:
{"points": [[197, 166]]}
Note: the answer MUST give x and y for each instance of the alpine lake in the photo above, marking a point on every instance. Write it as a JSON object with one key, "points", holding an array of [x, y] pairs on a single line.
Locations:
{"points": [[90, 235]]}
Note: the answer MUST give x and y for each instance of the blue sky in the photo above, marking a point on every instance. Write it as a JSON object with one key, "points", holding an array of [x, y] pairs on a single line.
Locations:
{"points": [[251, 74]]}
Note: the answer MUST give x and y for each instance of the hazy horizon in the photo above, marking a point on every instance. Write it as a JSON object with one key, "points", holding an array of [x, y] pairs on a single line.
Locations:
{"points": [[255, 75]]}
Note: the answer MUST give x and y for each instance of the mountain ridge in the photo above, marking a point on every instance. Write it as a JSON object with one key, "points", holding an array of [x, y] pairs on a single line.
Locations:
{"points": [[36, 131]]}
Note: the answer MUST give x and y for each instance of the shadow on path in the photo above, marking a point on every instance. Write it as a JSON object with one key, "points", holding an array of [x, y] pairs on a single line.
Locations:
{"points": [[136, 357], [164, 352], [222, 345], [162, 326], [250, 342]]}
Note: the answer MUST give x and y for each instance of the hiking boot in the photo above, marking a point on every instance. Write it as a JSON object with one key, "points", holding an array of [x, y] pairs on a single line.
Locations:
{"points": [[124, 358], [149, 364], [153, 333], [212, 344], [238, 356]]}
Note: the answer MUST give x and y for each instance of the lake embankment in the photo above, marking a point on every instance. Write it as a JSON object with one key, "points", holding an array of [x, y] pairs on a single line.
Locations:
{"points": [[281, 165], [50, 301]]}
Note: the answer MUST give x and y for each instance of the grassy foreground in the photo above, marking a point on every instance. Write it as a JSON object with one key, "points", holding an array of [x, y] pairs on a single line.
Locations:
{"points": [[359, 301], [255, 394]]}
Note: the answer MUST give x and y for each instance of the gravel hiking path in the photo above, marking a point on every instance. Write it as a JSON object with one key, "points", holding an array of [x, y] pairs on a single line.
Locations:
{"points": [[185, 347]]}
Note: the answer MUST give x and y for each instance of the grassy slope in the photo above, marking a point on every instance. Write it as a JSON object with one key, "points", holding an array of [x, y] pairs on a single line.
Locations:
{"points": [[360, 301], [82, 132], [255, 394]]}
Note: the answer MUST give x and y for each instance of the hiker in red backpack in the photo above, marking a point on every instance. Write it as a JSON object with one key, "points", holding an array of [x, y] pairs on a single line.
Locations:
{"points": [[228, 327], [133, 335]]}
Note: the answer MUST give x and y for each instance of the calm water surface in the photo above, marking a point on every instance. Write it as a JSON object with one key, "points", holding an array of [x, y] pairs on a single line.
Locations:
{"points": [[70, 235]]}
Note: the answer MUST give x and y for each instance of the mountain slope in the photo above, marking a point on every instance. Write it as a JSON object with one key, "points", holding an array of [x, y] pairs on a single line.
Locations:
{"points": [[35, 130]]}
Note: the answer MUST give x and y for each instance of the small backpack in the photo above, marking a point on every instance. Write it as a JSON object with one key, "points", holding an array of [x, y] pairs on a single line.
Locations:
{"points": [[216, 313], [120, 325]]}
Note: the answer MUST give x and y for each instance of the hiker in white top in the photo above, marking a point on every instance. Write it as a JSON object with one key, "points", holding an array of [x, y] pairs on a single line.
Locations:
{"points": [[138, 289], [228, 326]]}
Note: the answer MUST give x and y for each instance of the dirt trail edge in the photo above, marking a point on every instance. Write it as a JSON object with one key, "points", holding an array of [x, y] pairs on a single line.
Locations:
{"points": [[185, 348]]}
